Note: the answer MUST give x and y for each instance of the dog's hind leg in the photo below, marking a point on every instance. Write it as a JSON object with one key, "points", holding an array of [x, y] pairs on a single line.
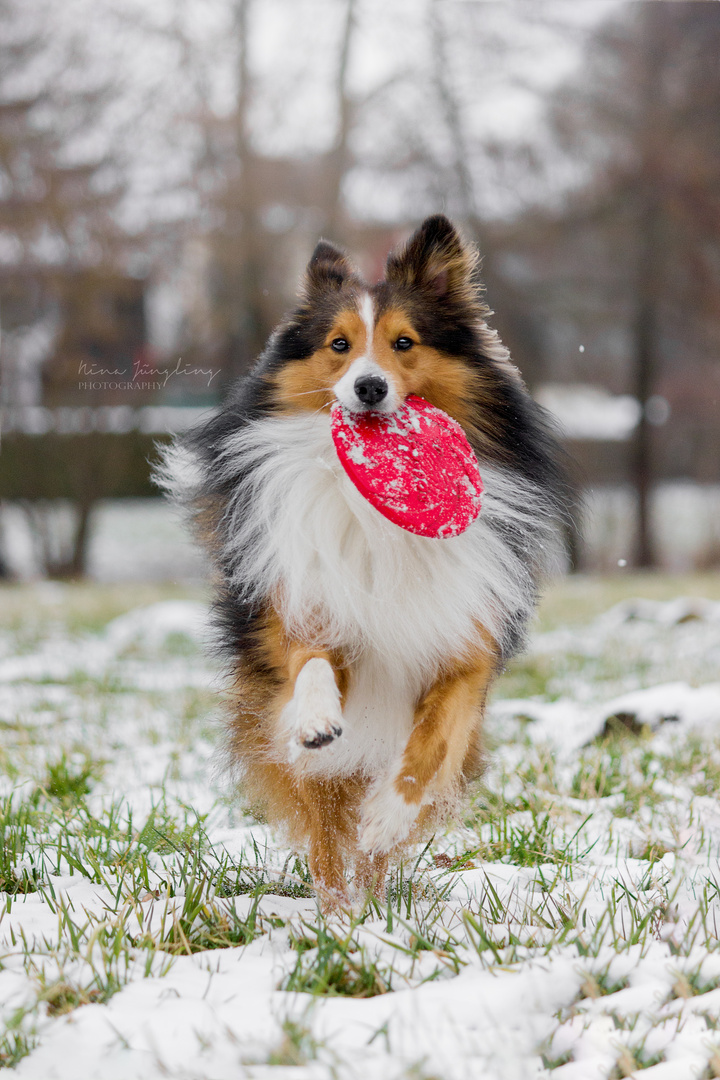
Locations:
{"points": [[444, 729], [329, 823], [370, 875]]}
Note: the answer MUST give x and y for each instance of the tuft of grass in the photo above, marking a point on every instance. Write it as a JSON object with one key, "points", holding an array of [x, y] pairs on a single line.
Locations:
{"points": [[416, 1071], [633, 1060], [297, 1047], [333, 964], [162, 835], [690, 984], [618, 764], [63, 996], [600, 984], [69, 782], [293, 880], [17, 871], [203, 924], [522, 843], [14, 1046], [554, 1061]]}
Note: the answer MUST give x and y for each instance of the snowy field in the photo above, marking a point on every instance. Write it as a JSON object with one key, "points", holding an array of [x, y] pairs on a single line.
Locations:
{"points": [[568, 927]]}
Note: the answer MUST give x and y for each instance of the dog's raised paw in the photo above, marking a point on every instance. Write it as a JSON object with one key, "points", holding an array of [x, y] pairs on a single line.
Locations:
{"points": [[321, 738], [313, 718]]}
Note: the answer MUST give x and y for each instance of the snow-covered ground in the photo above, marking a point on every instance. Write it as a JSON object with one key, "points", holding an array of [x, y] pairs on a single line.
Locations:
{"points": [[567, 927]]}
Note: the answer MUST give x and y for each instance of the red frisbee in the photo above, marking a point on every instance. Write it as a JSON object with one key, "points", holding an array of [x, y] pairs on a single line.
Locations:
{"points": [[415, 466]]}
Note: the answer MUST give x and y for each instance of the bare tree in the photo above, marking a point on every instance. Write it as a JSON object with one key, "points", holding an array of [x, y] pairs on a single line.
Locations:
{"points": [[644, 123], [59, 230], [338, 161]]}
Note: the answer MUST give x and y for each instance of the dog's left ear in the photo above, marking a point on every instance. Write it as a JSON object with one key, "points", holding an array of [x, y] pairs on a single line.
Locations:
{"points": [[436, 259], [327, 270]]}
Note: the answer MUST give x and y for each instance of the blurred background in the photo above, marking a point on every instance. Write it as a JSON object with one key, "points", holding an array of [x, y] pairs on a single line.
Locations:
{"points": [[165, 172]]}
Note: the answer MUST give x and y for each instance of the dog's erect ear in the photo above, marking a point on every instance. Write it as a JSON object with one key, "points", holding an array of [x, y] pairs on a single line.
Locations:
{"points": [[436, 259], [327, 270]]}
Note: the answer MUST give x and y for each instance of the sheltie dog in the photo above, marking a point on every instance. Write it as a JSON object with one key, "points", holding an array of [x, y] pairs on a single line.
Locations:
{"points": [[362, 654]]}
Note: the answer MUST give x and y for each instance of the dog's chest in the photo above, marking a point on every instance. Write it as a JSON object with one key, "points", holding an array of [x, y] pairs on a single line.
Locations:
{"points": [[342, 576], [363, 584]]}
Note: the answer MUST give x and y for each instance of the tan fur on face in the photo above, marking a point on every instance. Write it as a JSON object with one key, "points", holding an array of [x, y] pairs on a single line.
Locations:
{"points": [[307, 384], [444, 381]]}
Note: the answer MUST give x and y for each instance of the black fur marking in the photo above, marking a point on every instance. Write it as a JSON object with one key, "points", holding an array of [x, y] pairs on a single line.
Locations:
{"points": [[238, 625]]}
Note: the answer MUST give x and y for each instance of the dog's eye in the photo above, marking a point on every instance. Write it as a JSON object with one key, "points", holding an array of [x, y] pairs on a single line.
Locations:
{"points": [[340, 344], [404, 343]]}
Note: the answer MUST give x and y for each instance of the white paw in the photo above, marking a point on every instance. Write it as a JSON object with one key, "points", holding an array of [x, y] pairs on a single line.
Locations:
{"points": [[313, 718], [386, 820]]}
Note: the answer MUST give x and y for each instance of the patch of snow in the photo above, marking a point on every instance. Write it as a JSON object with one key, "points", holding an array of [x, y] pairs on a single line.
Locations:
{"points": [[568, 726], [583, 411], [153, 625]]}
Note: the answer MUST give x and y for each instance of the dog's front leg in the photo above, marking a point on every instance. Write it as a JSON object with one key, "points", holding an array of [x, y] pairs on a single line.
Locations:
{"points": [[444, 724], [312, 717]]}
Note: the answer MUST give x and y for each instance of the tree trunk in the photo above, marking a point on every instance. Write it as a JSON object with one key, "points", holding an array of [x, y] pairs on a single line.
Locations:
{"points": [[338, 161], [77, 563], [641, 464], [242, 227], [648, 274], [465, 191]]}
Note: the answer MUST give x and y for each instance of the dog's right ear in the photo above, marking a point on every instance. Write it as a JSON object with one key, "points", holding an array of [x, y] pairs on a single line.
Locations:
{"points": [[327, 270]]}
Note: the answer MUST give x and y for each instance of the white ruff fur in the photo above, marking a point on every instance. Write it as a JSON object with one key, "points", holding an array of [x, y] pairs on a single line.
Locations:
{"points": [[341, 575]]}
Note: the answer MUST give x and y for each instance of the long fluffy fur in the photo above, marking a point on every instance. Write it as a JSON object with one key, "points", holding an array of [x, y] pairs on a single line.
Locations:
{"points": [[343, 576], [290, 534]]}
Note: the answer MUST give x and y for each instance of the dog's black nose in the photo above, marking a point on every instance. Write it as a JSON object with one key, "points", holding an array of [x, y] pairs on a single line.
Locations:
{"points": [[371, 389]]}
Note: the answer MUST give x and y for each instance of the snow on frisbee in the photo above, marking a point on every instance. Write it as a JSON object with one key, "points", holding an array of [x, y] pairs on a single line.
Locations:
{"points": [[415, 466]]}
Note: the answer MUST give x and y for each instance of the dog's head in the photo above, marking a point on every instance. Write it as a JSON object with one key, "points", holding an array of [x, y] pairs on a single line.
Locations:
{"points": [[368, 347]]}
